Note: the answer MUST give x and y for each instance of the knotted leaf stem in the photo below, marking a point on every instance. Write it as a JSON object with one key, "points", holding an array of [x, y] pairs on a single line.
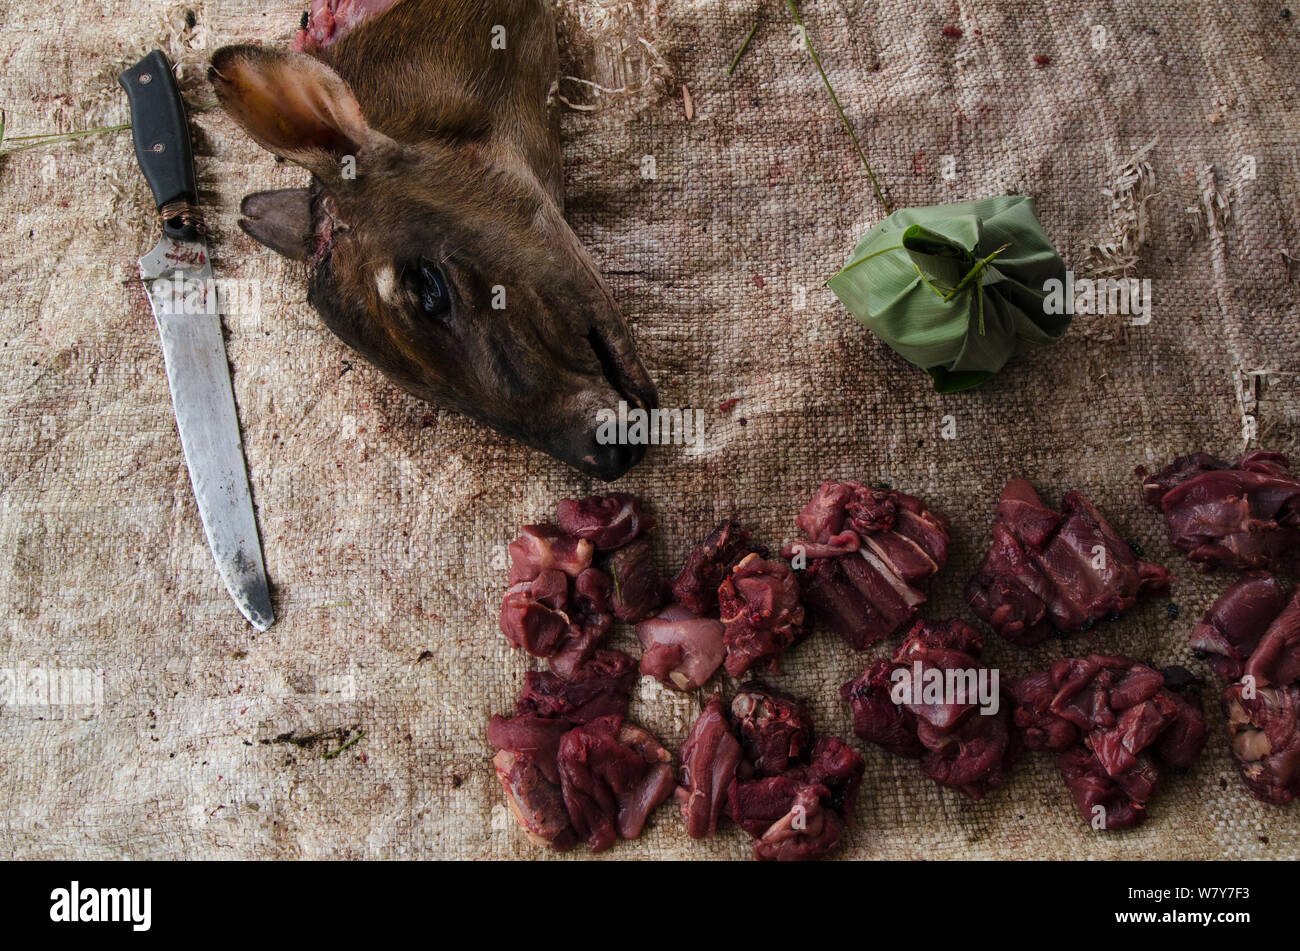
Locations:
{"points": [[875, 183]]}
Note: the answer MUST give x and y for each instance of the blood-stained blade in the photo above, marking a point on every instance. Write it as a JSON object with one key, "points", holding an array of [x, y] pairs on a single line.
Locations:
{"points": [[187, 307]]}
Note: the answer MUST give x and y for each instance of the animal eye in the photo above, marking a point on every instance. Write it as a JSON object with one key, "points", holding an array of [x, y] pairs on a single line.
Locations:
{"points": [[435, 295]]}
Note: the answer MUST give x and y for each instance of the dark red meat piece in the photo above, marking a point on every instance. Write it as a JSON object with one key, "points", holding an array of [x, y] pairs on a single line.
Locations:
{"points": [[535, 801], [1264, 736], [1010, 591], [1114, 724], [1041, 728], [600, 687], [590, 592], [926, 704], [1051, 571], [1154, 487], [541, 548], [590, 621], [876, 718], [793, 793], [801, 814], [680, 650], [838, 767], [1137, 684], [531, 624], [756, 804], [775, 729], [839, 507], [534, 737], [1263, 711], [952, 634], [529, 742], [557, 605], [917, 658], [550, 587], [846, 515], [1181, 745], [1092, 690], [1137, 728], [807, 832], [1275, 662], [837, 603], [578, 648], [893, 601], [709, 759], [1083, 690], [1233, 625], [608, 521], [973, 757], [925, 529], [1099, 798], [612, 776], [525, 766], [1245, 516], [866, 550], [761, 613], [696, 585], [966, 748], [636, 586], [567, 754]]}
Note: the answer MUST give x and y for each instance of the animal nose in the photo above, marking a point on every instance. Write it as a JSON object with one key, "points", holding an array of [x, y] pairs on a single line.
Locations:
{"points": [[610, 463]]}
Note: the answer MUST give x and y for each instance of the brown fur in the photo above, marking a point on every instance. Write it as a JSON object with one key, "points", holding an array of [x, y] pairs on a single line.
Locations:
{"points": [[457, 164]]}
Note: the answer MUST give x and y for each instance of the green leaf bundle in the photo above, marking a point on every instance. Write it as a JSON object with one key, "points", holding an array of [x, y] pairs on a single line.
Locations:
{"points": [[957, 289]]}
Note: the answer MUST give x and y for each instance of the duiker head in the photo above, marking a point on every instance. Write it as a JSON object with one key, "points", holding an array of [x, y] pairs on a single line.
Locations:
{"points": [[442, 257]]}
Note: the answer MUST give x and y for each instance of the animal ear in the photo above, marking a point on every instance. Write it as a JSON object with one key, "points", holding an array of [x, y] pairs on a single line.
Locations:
{"points": [[281, 220], [292, 105]]}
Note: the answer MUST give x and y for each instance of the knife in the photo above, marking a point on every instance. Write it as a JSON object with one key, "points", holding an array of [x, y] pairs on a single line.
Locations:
{"points": [[187, 308]]}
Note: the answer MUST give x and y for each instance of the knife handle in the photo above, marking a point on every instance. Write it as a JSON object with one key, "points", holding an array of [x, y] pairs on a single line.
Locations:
{"points": [[162, 138]]}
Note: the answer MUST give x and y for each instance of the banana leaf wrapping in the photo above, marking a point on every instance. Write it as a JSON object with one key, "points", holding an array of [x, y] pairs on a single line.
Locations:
{"points": [[957, 289]]}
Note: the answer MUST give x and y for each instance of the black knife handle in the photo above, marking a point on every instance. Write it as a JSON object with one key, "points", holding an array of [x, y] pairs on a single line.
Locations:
{"points": [[162, 137]]}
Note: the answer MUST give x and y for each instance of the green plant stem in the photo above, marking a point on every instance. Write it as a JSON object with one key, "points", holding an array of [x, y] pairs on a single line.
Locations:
{"points": [[875, 184], [940, 292], [334, 754], [36, 141], [974, 272], [618, 589], [873, 254], [54, 138], [966, 282], [743, 46]]}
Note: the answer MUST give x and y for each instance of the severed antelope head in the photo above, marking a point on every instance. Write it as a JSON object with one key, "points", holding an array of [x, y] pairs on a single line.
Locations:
{"points": [[433, 226]]}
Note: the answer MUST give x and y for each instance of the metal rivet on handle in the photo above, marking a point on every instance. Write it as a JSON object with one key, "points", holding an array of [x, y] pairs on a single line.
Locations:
{"points": [[146, 79], [158, 147]]}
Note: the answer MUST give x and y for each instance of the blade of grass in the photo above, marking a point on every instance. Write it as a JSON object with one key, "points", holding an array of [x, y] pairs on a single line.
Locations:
{"points": [[875, 184], [334, 754], [54, 138], [36, 142], [743, 46]]}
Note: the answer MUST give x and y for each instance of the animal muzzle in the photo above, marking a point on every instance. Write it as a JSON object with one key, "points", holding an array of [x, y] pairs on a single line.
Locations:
{"points": [[589, 442], [605, 461]]}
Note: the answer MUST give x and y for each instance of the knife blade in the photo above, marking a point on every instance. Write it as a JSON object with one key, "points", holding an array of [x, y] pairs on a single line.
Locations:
{"points": [[187, 306]]}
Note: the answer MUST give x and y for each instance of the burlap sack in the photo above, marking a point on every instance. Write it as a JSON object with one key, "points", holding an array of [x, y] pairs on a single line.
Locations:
{"points": [[384, 521]]}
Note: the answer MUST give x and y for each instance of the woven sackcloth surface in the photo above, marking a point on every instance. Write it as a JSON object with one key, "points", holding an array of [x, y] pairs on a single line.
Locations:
{"points": [[384, 520]]}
